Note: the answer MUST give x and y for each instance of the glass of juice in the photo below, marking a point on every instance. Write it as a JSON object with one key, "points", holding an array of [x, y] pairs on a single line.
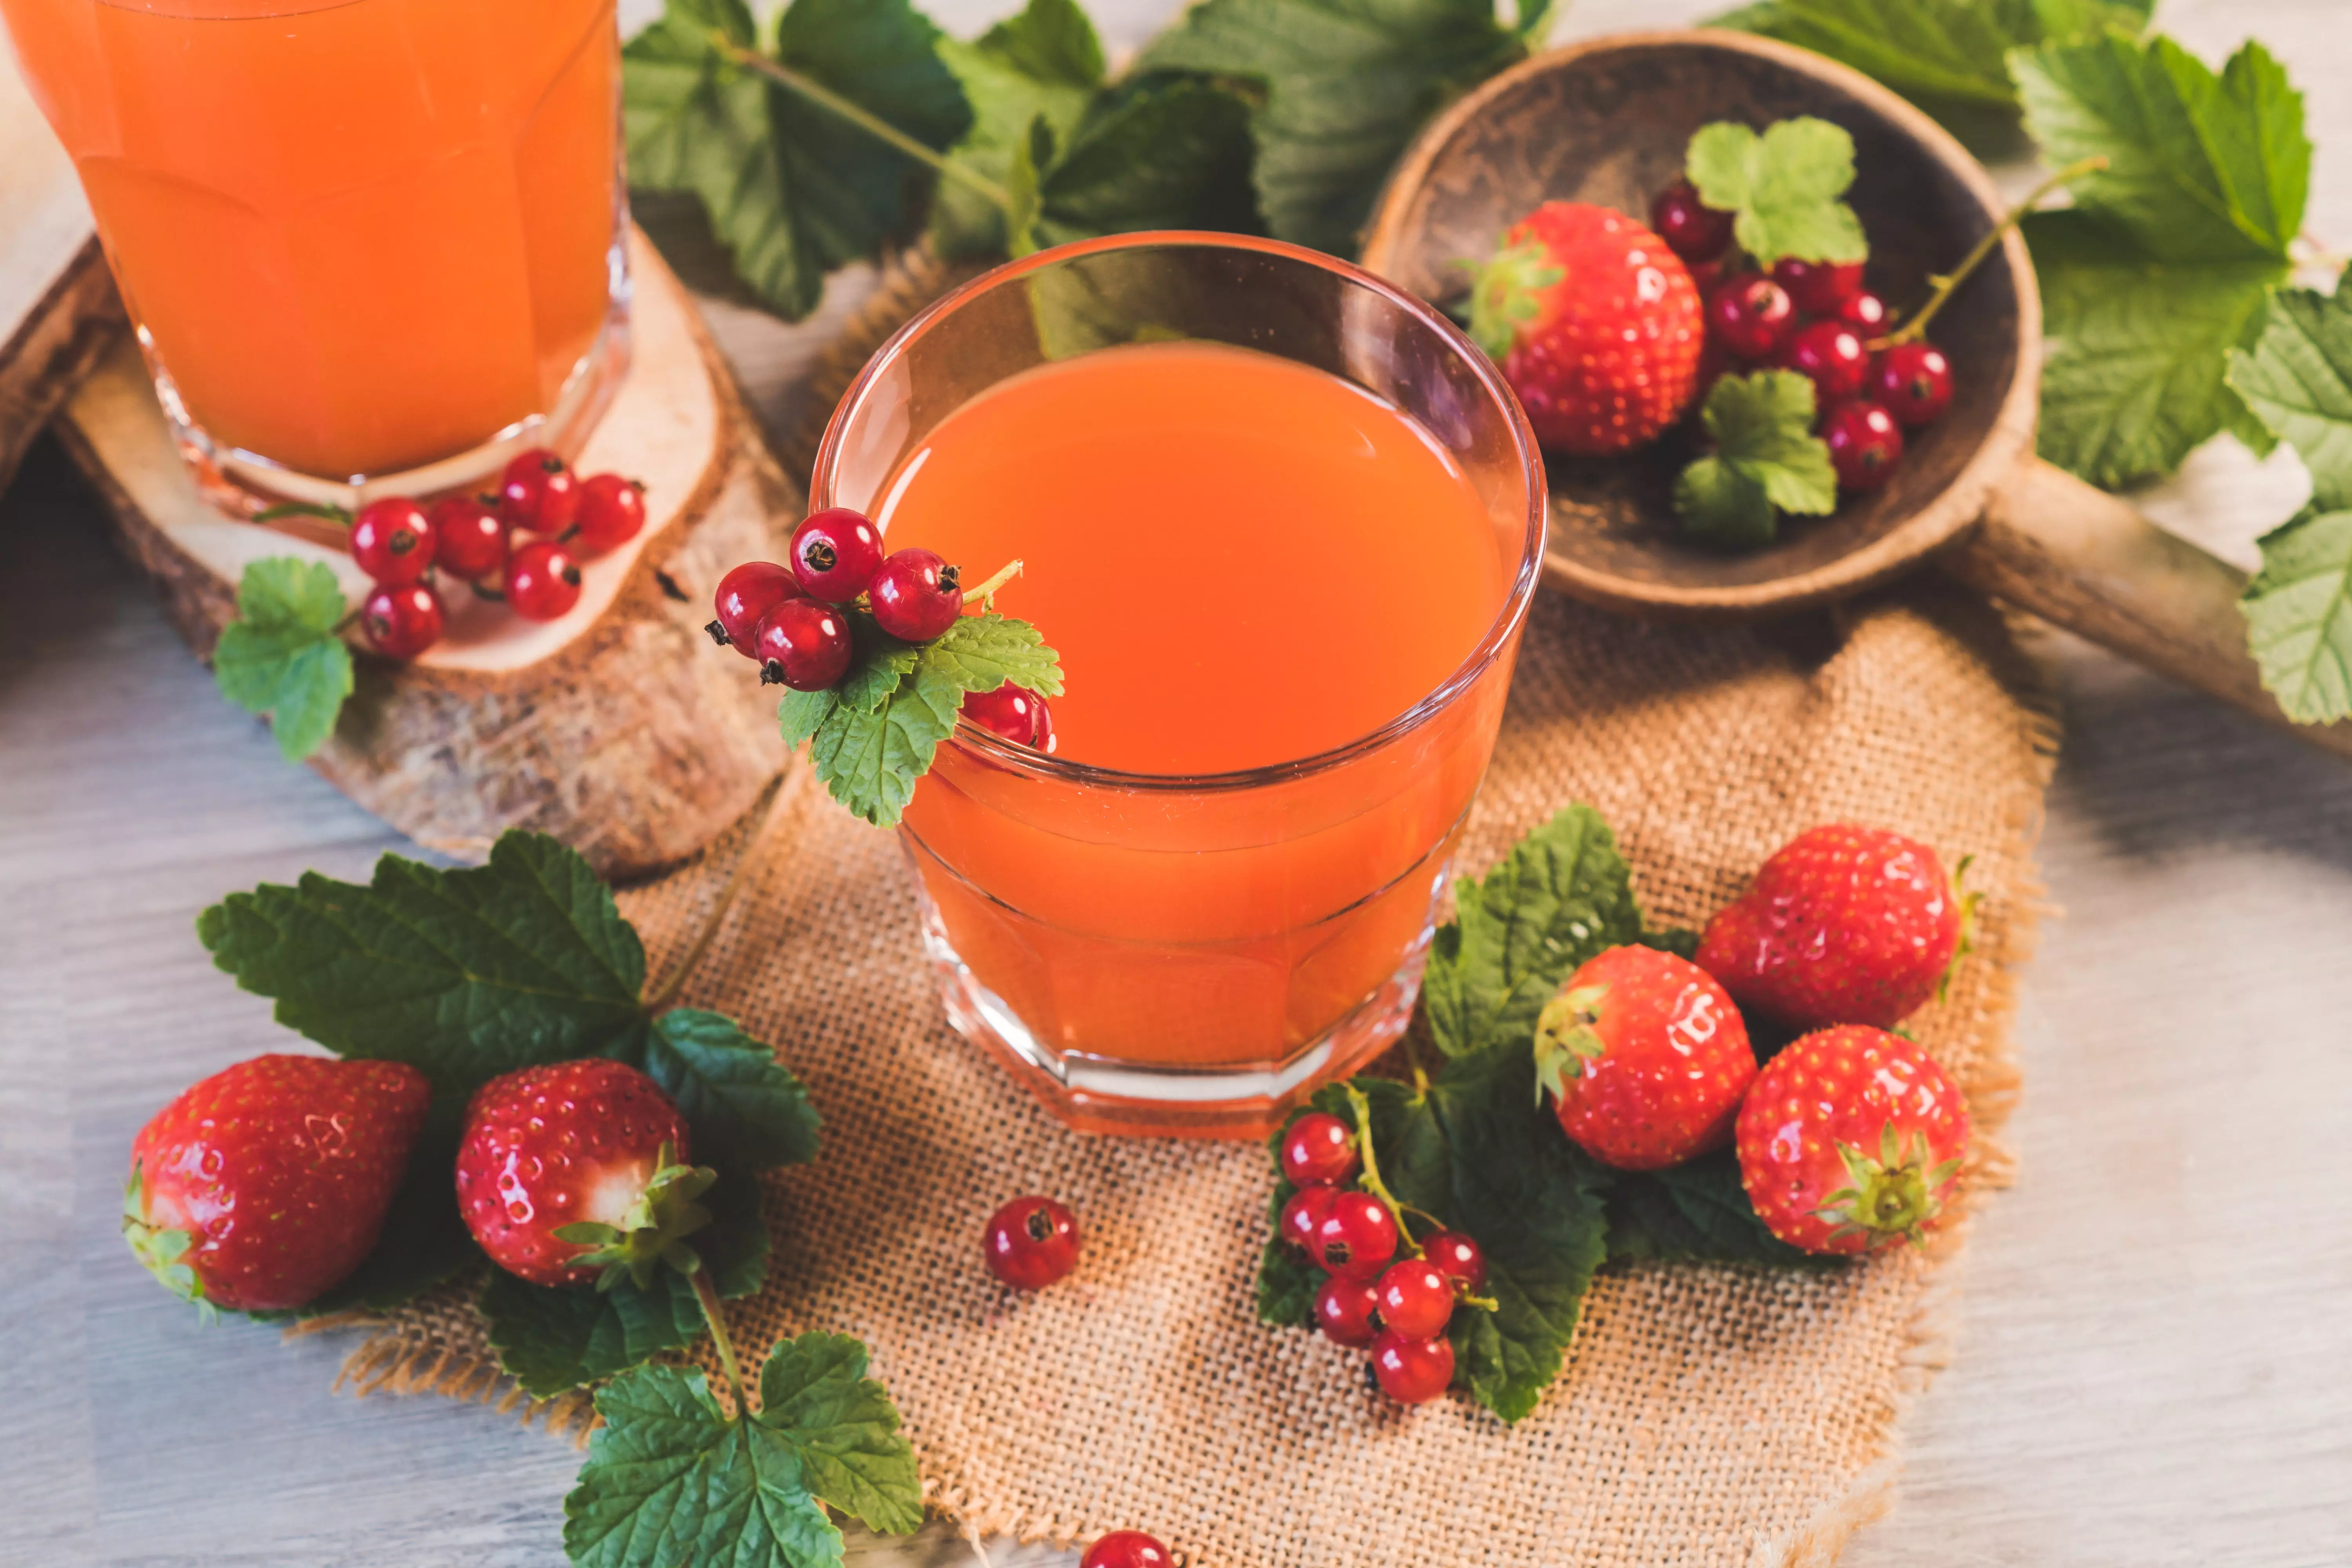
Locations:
{"points": [[1282, 522], [369, 247]]}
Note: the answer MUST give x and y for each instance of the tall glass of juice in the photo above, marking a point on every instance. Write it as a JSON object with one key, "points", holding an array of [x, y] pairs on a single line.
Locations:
{"points": [[1282, 522], [369, 246]]}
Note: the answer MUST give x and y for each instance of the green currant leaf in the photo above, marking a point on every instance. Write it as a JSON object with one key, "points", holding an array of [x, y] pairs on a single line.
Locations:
{"points": [[282, 655], [1044, 64], [1787, 187], [815, 1396], [2296, 378], [1161, 153], [2298, 611], [1765, 460], [746, 1109], [1695, 1211]]}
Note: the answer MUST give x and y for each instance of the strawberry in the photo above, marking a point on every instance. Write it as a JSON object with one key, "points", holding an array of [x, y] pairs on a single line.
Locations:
{"points": [[1596, 325], [1844, 925], [576, 1172], [1645, 1058], [1851, 1140], [266, 1183]]}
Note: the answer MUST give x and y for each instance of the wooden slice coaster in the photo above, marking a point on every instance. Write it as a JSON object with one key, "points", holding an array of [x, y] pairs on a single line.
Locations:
{"points": [[620, 729]]}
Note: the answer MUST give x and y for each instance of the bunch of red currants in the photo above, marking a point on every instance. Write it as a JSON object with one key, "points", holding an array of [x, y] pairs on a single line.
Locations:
{"points": [[398, 542], [1400, 1307], [1814, 318]]}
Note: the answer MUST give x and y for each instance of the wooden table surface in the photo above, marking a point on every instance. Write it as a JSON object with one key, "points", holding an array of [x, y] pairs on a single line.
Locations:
{"points": [[2154, 1355]]}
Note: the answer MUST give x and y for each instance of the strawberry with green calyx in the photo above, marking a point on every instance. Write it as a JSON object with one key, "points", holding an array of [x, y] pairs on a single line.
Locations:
{"points": [[1645, 1058], [265, 1185], [1595, 322], [1851, 1140]]}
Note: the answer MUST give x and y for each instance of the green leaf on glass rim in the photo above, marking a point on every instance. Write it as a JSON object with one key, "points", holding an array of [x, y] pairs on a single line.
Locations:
{"points": [[1698, 1212], [1787, 187], [1044, 64], [1765, 460], [1562, 895], [282, 655]]}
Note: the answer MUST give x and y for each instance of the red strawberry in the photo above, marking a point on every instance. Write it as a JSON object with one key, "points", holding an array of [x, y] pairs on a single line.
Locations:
{"points": [[266, 1183], [572, 1172], [1844, 925], [1595, 324], [1851, 1140], [1645, 1058]]}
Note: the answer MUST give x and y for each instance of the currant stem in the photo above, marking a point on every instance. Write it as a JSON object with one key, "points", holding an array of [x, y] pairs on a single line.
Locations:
{"points": [[872, 124], [1370, 1180], [1946, 285], [981, 595], [716, 1316], [665, 995]]}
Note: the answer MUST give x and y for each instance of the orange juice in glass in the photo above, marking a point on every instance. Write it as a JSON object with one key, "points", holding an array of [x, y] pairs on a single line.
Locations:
{"points": [[370, 245], [1282, 525]]}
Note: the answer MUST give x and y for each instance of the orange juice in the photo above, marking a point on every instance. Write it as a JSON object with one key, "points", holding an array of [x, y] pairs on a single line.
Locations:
{"points": [[1244, 562], [358, 236]]}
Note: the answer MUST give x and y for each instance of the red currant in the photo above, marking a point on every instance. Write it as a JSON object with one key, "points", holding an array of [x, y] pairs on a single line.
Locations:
{"points": [[1303, 1214], [1008, 711], [1462, 1260], [1866, 312], [1319, 1147], [1411, 1371], [1751, 314], [835, 553], [915, 595], [542, 581], [611, 511], [1356, 1236], [1819, 287], [1692, 230], [391, 540], [1030, 1242], [469, 537], [402, 622], [1830, 354], [1865, 444], [802, 644], [1343, 1310], [1127, 1549], [1045, 741], [1415, 1298], [539, 492], [745, 596], [1914, 381]]}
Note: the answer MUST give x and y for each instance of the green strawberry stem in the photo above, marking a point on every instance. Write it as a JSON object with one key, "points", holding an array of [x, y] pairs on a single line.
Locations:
{"points": [[865, 119], [716, 1316], [1947, 284]]}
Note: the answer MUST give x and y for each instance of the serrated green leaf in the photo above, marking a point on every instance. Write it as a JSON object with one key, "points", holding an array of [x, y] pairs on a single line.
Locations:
{"points": [[1562, 895], [1786, 185], [802, 713], [815, 1396], [983, 652], [1346, 85], [2296, 378], [747, 1111], [1720, 502], [1167, 153], [879, 662], [282, 656], [1286, 1282], [1698, 1211], [2298, 611], [1045, 63], [1766, 458]]}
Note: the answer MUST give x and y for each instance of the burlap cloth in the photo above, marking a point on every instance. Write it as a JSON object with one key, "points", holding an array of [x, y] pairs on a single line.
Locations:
{"points": [[1707, 1415]]}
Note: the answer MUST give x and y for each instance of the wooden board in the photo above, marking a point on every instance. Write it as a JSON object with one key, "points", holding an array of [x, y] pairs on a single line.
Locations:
{"points": [[618, 728]]}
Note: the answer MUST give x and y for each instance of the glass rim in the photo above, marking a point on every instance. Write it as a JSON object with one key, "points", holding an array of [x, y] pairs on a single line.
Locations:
{"points": [[997, 750]]}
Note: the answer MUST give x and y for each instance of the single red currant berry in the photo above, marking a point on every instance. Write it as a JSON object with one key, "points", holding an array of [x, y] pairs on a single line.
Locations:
{"points": [[1866, 312], [1411, 1371], [1356, 1236], [1830, 354], [1319, 1147], [1303, 1214], [1692, 230], [1865, 444], [1127, 1549], [469, 537], [1415, 1300], [539, 492], [915, 595], [1008, 711], [1462, 1260], [611, 511], [1030, 1242], [391, 540], [542, 581], [402, 622], [835, 553], [1343, 1310], [1914, 381], [745, 596], [1045, 741], [802, 644], [1752, 315], [1819, 287]]}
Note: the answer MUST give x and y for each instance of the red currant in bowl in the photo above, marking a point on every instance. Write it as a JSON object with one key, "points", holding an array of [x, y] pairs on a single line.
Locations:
{"points": [[803, 645], [391, 540], [1319, 1147], [542, 581], [1411, 1371], [1750, 315], [1819, 287], [1462, 1260], [470, 538], [1692, 230], [1030, 1242], [834, 554], [1356, 1236], [1008, 712], [1914, 381], [1343, 1310], [402, 622], [915, 595], [612, 512], [1830, 354], [1865, 444], [1127, 1549], [745, 596], [1303, 1214], [539, 492], [1415, 1298]]}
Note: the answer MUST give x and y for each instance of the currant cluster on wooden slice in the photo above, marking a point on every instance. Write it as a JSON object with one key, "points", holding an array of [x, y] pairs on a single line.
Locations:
{"points": [[1030, 1242], [1814, 318], [1398, 1307]]}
